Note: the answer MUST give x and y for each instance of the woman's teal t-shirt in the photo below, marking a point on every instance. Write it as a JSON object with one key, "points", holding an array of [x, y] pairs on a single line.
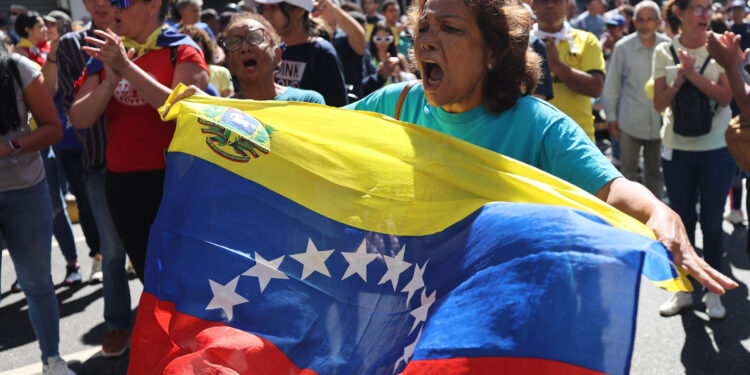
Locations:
{"points": [[533, 131]]}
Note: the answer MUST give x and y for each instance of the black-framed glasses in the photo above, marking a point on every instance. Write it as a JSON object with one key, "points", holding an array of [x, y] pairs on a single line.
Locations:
{"points": [[381, 39], [701, 11], [252, 37]]}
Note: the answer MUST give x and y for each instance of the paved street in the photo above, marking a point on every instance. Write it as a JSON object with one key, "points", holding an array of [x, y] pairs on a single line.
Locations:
{"points": [[662, 345]]}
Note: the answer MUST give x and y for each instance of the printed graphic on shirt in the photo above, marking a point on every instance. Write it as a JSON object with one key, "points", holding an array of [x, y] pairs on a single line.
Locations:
{"points": [[126, 94], [290, 73]]}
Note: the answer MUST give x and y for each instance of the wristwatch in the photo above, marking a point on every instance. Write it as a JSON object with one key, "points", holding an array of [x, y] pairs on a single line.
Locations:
{"points": [[15, 146]]}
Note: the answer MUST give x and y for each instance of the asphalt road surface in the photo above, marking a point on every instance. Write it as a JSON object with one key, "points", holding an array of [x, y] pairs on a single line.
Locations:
{"points": [[687, 343]]}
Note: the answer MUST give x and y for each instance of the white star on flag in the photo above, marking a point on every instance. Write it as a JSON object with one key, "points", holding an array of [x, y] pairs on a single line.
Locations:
{"points": [[408, 352], [416, 282], [225, 297], [358, 261], [420, 313], [265, 270], [395, 267], [313, 260]]}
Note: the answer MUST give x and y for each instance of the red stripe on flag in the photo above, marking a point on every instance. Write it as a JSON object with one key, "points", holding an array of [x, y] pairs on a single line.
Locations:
{"points": [[166, 341], [494, 365]]}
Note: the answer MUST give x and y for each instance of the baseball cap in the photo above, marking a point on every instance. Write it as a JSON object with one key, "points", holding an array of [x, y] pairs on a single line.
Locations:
{"points": [[739, 3], [615, 20], [304, 4]]}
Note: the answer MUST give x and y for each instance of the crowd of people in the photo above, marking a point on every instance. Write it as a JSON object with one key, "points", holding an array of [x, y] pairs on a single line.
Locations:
{"points": [[536, 81]]}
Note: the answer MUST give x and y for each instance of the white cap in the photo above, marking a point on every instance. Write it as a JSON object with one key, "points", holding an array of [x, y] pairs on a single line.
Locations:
{"points": [[246, 5], [304, 4]]}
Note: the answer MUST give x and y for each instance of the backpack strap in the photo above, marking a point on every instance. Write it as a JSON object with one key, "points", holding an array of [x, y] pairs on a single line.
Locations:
{"points": [[705, 64], [173, 55], [674, 54], [402, 98]]}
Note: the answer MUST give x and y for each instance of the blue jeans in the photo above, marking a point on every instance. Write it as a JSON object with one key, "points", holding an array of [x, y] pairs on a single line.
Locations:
{"points": [[704, 175], [73, 167], [117, 312], [26, 228], [62, 227]]}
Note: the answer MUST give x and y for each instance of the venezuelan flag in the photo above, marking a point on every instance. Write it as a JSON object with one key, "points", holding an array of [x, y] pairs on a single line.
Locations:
{"points": [[295, 238]]}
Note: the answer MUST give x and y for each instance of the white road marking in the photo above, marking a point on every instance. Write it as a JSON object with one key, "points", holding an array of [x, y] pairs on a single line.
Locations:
{"points": [[36, 368]]}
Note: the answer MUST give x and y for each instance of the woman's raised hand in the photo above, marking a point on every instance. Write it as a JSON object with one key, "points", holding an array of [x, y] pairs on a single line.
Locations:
{"points": [[109, 49]]}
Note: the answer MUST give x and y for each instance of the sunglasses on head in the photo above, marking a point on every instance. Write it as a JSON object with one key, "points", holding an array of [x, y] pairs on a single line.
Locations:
{"points": [[382, 39], [122, 4], [253, 38]]}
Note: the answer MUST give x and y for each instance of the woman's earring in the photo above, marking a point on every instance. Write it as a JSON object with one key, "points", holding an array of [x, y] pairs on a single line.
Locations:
{"points": [[276, 69], [490, 66]]}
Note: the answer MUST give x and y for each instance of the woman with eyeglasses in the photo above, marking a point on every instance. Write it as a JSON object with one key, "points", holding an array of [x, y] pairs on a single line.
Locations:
{"points": [[253, 54], [128, 87], [697, 166], [383, 48], [307, 61]]}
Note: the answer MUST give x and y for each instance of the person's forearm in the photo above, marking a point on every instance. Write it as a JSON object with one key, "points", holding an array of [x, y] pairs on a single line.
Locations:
{"points": [[719, 94], [739, 90], [631, 198], [150, 89], [355, 33], [43, 136], [580, 82], [664, 95], [88, 107]]}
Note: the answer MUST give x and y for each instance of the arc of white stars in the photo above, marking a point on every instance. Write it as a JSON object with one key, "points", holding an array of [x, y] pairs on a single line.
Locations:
{"points": [[408, 352], [416, 282], [313, 260], [358, 261], [420, 313], [396, 266], [225, 297], [265, 270]]}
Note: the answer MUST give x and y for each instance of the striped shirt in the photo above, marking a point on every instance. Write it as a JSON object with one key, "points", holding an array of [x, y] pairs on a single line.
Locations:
{"points": [[70, 63]]}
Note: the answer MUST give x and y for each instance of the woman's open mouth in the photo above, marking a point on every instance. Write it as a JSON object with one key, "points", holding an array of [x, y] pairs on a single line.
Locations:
{"points": [[250, 63], [432, 75]]}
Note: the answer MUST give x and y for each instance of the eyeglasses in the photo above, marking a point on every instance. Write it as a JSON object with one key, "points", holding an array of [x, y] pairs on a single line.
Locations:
{"points": [[701, 11], [382, 39], [253, 38]]}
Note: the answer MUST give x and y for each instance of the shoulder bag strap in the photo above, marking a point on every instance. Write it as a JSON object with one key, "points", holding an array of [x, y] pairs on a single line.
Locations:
{"points": [[402, 98]]}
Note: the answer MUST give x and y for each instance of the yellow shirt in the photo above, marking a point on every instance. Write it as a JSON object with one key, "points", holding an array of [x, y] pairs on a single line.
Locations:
{"points": [[220, 78], [586, 55]]}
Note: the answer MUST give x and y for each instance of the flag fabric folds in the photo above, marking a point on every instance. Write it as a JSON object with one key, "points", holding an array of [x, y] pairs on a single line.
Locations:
{"points": [[295, 238]]}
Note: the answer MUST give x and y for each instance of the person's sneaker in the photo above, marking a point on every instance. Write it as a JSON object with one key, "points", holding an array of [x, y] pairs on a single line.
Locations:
{"points": [[16, 287], [735, 217], [714, 308], [115, 343], [56, 366], [96, 269], [676, 303], [72, 274]]}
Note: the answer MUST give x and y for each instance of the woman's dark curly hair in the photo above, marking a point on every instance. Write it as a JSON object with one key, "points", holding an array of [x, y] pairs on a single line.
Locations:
{"points": [[27, 20], [505, 26], [201, 38]]}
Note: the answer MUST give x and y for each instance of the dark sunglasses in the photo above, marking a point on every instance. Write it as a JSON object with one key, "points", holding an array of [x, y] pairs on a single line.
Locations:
{"points": [[253, 38]]}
